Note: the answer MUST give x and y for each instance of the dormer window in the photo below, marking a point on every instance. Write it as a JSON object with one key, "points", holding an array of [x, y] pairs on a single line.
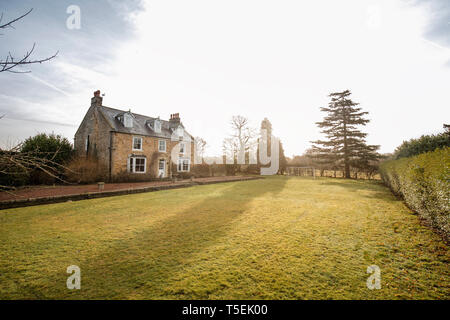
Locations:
{"points": [[180, 132], [157, 126], [128, 120]]}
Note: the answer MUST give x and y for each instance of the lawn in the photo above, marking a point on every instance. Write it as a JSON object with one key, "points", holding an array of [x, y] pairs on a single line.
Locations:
{"points": [[276, 238]]}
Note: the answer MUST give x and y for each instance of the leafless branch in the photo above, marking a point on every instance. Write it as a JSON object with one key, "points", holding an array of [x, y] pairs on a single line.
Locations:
{"points": [[242, 137], [13, 163], [9, 24], [9, 63]]}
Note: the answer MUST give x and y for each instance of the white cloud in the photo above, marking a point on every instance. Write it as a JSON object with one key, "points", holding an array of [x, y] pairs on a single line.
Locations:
{"points": [[211, 59]]}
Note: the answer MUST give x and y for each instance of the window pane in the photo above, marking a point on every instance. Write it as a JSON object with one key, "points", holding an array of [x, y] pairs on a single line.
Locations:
{"points": [[139, 165], [181, 147], [161, 164], [128, 121], [137, 143], [185, 165], [157, 126], [162, 145]]}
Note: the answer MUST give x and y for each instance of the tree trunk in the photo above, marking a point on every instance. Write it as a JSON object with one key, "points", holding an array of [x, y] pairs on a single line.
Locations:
{"points": [[346, 158]]}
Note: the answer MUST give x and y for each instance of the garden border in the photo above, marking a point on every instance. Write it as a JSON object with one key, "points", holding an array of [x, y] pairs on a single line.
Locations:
{"points": [[9, 204]]}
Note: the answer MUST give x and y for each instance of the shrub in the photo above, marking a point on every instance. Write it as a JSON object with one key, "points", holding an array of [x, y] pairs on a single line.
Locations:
{"points": [[423, 182], [125, 176], [201, 170], [425, 143], [55, 152], [52, 147], [12, 175], [231, 169], [251, 169], [218, 170], [85, 170]]}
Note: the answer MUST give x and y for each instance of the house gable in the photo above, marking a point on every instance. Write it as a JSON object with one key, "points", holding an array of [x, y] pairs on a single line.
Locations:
{"points": [[121, 148]]}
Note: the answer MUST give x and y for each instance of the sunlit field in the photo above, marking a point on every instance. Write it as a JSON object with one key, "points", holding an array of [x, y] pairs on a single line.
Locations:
{"points": [[274, 238]]}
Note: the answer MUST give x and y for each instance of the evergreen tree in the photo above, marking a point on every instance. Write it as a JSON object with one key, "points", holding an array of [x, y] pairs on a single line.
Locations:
{"points": [[51, 147], [345, 145]]}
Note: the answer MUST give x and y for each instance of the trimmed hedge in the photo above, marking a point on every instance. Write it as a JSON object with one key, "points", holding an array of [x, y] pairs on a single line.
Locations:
{"points": [[423, 182], [425, 143]]}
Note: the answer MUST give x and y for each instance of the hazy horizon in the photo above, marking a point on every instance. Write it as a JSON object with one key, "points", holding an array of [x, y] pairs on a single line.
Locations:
{"points": [[209, 60]]}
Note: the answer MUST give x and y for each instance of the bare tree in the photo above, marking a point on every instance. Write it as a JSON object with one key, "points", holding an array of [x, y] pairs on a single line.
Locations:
{"points": [[230, 149], [200, 147], [13, 162], [242, 139], [9, 63]]}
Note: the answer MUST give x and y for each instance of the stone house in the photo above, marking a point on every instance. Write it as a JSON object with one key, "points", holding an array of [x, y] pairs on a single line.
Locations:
{"points": [[131, 144]]}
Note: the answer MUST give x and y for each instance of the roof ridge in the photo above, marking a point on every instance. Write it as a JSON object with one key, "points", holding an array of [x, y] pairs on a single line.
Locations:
{"points": [[138, 114]]}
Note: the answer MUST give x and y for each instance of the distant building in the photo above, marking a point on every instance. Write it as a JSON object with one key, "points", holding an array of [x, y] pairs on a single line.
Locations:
{"points": [[126, 142]]}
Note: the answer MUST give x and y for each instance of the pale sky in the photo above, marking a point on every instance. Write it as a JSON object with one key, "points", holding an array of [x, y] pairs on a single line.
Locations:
{"points": [[209, 60]]}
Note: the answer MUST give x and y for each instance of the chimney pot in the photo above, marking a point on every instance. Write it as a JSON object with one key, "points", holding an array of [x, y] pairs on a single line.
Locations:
{"points": [[175, 118], [96, 100]]}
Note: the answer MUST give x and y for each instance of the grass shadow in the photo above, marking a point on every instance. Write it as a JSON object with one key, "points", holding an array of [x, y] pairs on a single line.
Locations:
{"points": [[142, 265], [367, 188]]}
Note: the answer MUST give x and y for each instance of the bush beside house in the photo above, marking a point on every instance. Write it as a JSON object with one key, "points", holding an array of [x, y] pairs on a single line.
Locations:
{"points": [[85, 170], [38, 160]]}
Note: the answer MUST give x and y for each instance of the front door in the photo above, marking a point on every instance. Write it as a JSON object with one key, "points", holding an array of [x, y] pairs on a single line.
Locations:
{"points": [[162, 168]]}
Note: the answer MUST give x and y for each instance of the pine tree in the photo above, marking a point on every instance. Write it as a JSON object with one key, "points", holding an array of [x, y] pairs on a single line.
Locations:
{"points": [[345, 146]]}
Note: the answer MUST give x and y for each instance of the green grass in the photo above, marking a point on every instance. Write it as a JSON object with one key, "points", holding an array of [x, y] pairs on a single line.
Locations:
{"points": [[277, 238]]}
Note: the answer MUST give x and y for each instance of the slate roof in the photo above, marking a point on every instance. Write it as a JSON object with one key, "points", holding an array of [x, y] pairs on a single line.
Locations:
{"points": [[140, 124]]}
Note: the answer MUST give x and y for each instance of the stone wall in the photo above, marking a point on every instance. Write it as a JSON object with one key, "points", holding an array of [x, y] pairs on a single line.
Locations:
{"points": [[95, 126], [101, 137], [123, 150]]}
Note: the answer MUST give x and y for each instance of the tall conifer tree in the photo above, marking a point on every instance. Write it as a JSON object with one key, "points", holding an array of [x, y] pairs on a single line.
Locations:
{"points": [[345, 145]]}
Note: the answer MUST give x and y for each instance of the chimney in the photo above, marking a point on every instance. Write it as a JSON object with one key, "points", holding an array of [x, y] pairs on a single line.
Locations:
{"points": [[175, 118], [97, 100]]}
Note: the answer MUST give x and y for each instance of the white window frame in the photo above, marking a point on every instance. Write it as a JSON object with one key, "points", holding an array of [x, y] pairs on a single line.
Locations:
{"points": [[159, 145], [181, 162], [142, 142], [128, 120], [159, 164], [132, 165], [157, 125], [184, 147]]}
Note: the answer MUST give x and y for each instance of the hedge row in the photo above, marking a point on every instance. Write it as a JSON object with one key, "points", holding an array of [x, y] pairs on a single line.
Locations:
{"points": [[425, 143], [423, 182]]}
